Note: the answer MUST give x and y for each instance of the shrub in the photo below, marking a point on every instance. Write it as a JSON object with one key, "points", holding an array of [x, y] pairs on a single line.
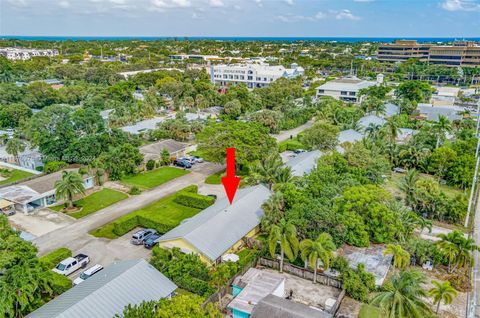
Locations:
{"points": [[53, 258], [194, 200], [134, 191], [150, 164], [125, 225], [60, 283], [54, 166], [193, 188]]}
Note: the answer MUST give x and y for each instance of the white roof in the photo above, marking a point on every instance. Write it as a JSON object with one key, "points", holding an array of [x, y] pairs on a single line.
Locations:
{"points": [[346, 84], [366, 121], [303, 162], [144, 125]]}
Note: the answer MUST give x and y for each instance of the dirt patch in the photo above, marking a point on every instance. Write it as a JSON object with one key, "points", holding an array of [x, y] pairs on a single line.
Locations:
{"points": [[116, 186], [349, 308]]}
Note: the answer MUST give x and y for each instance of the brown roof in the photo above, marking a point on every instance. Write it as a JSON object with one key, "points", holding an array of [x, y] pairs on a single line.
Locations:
{"points": [[45, 183]]}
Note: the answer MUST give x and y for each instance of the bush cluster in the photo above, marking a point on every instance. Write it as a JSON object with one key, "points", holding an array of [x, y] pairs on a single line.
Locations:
{"points": [[53, 258], [193, 200]]}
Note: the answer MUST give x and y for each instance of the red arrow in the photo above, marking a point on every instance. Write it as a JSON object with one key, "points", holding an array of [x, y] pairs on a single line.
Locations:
{"points": [[230, 182]]}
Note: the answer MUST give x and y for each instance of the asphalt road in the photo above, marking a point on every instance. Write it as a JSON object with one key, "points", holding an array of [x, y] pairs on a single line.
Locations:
{"points": [[285, 134], [75, 236]]}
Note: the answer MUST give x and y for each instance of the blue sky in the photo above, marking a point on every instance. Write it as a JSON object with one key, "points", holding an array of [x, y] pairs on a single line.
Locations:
{"points": [[355, 18]]}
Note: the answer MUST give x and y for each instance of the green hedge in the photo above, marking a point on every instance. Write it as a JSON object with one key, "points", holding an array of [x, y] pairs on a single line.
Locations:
{"points": [[194, 200], [125, 224], [53, 258], [193, 188], [60, 283]]}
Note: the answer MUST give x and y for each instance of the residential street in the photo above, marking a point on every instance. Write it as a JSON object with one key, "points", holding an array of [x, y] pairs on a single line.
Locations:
{"points": [[75, 236], [285, 134]]}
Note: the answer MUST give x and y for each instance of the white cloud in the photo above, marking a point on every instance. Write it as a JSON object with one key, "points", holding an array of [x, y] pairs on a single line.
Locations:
{"points": [[216, 3], [461, 5], [346, 14], [289, 2], [18, 3], [64, 4], [259, 3], [170, 4]]}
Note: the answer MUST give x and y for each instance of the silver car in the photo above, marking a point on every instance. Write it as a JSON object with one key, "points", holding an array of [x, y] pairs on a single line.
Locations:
{"points": [[141, 236]]}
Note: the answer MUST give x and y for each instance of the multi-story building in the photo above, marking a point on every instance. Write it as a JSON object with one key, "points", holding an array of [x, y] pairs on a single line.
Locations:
{"points": [[347, 88], [461, 53], [13, 53], [252, 75]]}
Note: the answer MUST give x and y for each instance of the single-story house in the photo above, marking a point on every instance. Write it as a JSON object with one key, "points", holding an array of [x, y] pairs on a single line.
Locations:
{"points": [[220, 228], [106, 294], [279, 307], [175, 149], [251, 288], [304, 162], [404, 134], [196, 116], [348, 135], [37, 192], [391, 110], [143, 126], [368, 120], [431, 112]]}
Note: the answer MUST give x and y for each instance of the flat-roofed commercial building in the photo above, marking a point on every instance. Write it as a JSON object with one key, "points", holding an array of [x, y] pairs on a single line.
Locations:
{"points": [[346, 88], [461, 53]]}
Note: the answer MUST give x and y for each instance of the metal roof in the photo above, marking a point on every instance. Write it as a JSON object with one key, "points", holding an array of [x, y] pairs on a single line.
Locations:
{"points": [[216, 229], [365, 121], [304, 162], [349, 135], [346, 84], [274, 306], [434, 112], [391, 109], [107, 293], [144, 125]]}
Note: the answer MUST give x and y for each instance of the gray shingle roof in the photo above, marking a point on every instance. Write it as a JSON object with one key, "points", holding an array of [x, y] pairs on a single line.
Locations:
{"points": [[216, 229], [303, 162], [274, 306], [434, 112], [391, 109], [365, 121], [109, 291]]}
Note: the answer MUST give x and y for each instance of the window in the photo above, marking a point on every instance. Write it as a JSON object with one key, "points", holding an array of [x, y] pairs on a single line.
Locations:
{"points": [[321, 91], [250, 78], [351, 93], [343, 93]]}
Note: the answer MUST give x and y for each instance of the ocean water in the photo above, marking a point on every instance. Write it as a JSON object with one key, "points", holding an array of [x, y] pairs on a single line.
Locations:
{"points": [[266, 39]]}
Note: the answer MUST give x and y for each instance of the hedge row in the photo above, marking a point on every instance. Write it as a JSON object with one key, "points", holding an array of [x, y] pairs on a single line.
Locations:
{"points": [[53, 258], [290, 145], [194, 200], [194, 285], [60, 283]]}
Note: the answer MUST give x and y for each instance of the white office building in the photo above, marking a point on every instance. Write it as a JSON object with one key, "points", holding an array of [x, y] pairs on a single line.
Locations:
{"points": [[252, 75], [346, 89]]}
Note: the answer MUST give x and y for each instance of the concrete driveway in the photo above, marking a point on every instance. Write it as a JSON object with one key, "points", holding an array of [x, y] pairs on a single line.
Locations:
{"points": [[75, 236], [41, 222]]}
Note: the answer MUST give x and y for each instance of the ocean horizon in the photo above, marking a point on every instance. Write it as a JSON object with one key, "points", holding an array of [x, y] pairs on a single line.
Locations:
{"points": [[220, 38]]}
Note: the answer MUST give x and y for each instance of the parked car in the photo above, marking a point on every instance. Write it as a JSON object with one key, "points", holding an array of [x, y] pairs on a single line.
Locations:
{"points": [[182, 163], [297, 151], [141, 236], [189, 159], [72, 264], [151, 241], [87, 274], [198, 159]]}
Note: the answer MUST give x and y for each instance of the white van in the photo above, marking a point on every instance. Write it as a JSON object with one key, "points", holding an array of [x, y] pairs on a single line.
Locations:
{"points": [[87, 274]]}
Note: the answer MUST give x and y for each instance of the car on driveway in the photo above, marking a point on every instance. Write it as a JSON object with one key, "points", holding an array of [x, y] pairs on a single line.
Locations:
{"points": [[198, 159], [151, 241], [141, 236], [71, 264], [87, 274], [182, 163]]}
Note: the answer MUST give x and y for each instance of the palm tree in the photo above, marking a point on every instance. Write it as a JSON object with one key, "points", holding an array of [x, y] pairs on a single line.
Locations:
{"points": [[392, 129], [270, 171], [442, 292], [322, 248], [285, 234], [273, 211], [401, 258], [405, 298], [14, 147], [441, 127], [372, 131], [70, 185], [407, 185], [457, 249]]}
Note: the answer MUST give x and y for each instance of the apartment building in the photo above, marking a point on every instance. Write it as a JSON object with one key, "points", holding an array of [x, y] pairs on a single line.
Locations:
{"points": [[13, 53], [346, 88], [252, 75], [461, 53]]}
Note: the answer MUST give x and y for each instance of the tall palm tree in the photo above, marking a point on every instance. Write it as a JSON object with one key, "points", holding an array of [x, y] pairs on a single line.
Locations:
{"points": [[407, 185], [441, 127], [401, 258], [392, 129], [273, 211], [285, 234], [405, 298], [320, 249], [457, 249], [14, 147], [372, 131], [442, 292], [70, 185]]}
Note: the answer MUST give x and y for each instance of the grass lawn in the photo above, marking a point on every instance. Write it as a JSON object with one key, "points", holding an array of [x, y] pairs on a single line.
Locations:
{"points": [[215, 178], [14, 175], [154, 178], [94, 202], [164, 211], [368, 311]]}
